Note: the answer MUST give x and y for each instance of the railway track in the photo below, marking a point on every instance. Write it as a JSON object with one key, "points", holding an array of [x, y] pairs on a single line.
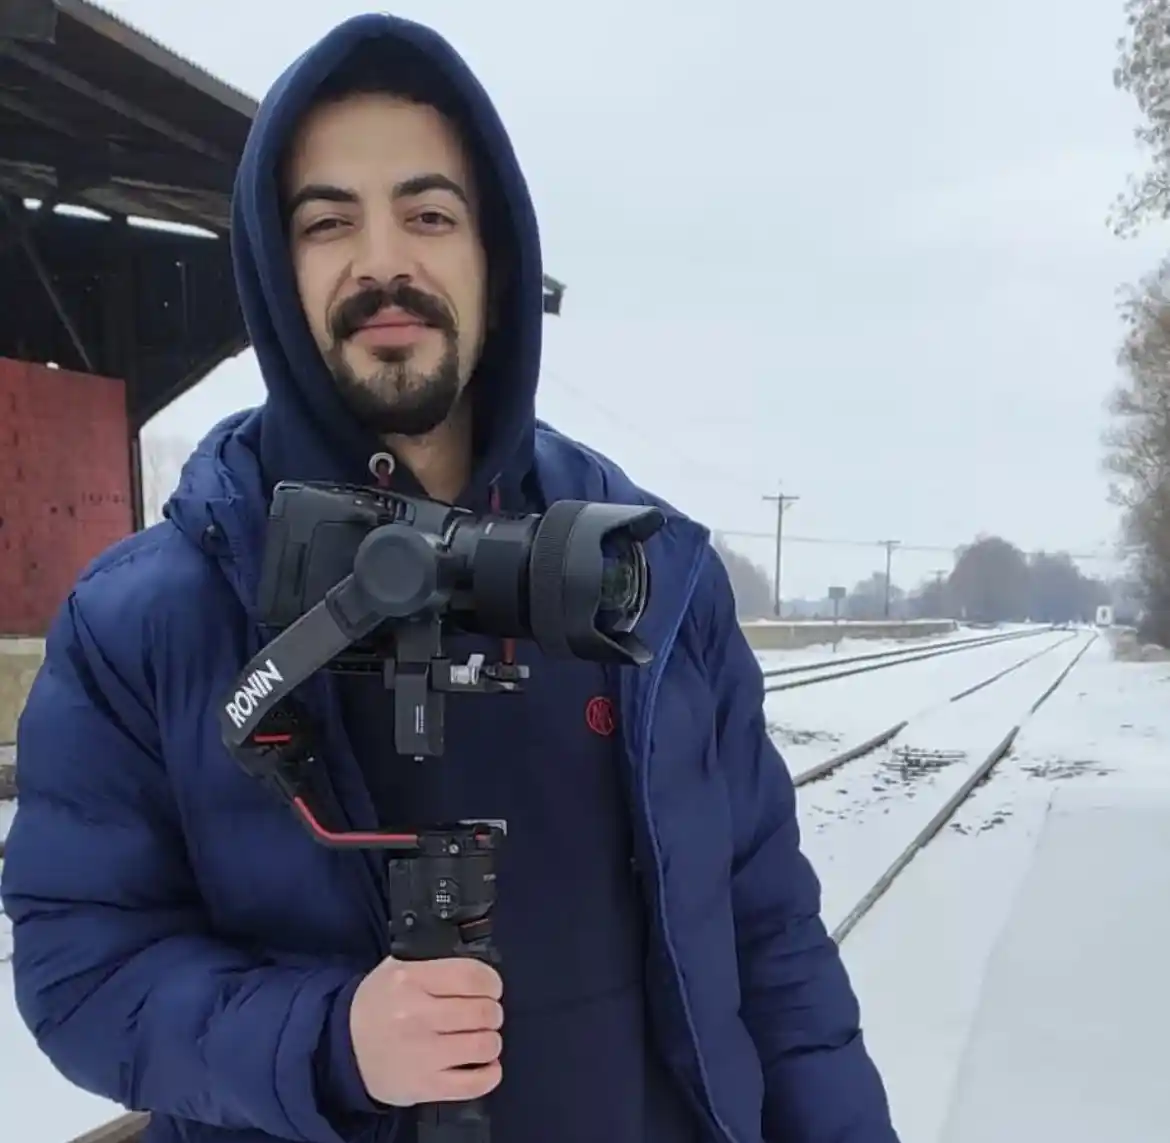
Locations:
{"points": [[129, 1128], [827, 670], [956, 793], [883, 737]]}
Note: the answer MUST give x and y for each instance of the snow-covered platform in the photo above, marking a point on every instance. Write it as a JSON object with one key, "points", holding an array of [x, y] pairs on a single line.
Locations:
{"points": [[1069, 1036]]}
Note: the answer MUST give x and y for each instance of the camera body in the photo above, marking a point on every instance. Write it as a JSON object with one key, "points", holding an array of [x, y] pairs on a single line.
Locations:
{"points": [[574, 579], [361, 579]]}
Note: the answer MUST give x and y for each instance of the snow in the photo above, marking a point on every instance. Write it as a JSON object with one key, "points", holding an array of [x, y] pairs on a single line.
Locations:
{"points": [[856, 822], [809, 724], [828, 653], [919, 959], [39, 1106], [844, 624], [1069, 1039], [7, 810]]}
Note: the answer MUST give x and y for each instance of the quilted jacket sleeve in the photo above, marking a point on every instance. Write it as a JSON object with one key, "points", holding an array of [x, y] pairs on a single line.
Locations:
{"points": [[799, 1007], [116, 974]]}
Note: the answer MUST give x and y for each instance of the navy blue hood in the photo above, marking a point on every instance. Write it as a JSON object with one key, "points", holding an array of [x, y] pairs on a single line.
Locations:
{"points": [[308, 432]]}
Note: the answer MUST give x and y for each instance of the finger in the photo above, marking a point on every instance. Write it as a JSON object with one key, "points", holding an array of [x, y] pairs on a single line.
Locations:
{"points": [[460, 1084], [463, 1014], [457, 976], [466, 1049]]}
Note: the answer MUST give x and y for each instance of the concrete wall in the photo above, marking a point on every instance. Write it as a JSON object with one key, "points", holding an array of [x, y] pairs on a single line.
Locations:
{"points": [[20, 659], [64, 486], [765, 635]]}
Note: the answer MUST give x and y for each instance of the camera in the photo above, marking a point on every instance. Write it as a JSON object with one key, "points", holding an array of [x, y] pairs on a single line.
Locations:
{"points": [[357, 579], [574, 579]]}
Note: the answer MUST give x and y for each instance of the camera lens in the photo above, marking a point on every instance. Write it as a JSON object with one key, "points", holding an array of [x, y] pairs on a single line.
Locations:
{"points": [[589, 580], [623, 584], [619, 582]]}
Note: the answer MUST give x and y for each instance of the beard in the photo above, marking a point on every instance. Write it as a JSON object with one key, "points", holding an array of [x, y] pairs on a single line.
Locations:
{"points": [[397, 399]]}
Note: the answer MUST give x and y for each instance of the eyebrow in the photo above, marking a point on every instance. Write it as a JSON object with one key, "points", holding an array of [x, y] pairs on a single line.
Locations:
{"points": [[407, 188]]}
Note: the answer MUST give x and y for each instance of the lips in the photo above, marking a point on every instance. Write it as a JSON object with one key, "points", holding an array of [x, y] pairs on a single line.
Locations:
{"points": [[394, 320]]}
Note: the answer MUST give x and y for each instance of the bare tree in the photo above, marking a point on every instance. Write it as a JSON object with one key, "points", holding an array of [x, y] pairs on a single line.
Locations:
{"points": [[1138, 441], [1059, 592], [1138, 444], [867, 600], [1143, 70], [749, 583], [163, 458], [930, 600]]}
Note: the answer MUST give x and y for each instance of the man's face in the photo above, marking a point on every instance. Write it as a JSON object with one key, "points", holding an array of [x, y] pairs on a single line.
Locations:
{"points": [[388, 259]]}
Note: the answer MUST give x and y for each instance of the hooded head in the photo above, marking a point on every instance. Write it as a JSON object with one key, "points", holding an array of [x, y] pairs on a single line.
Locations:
{"points": [[387, 259]]}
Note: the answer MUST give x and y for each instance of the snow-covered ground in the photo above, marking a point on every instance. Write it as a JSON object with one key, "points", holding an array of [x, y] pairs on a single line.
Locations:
{"points": [[7, 809], [847, 646], [920, 958], [1069, 1041], [809, 724], [855, 822], [36, 1104]]}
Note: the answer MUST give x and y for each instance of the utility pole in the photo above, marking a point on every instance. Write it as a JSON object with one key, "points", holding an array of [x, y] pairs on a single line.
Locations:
{"points": [[781, 501], [940, 575], [889, 545]]}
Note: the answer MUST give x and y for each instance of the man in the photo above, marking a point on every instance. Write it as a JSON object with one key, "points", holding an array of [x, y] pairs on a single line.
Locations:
{"points": [[182, 946]]}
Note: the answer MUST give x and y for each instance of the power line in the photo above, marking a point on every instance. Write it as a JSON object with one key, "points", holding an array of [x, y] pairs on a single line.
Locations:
{"points": [[949, 550], [703, 466], [781, 501]]}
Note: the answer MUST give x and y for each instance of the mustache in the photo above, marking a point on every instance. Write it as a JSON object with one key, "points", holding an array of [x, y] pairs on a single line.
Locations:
{"points": [[355, 311]]}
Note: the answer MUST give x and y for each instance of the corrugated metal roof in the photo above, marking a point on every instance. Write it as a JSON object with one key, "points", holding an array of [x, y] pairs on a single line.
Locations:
{"points": [[113, 27]]}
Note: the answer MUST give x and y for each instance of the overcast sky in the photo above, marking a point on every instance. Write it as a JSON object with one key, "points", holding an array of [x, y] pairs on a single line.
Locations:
{"points": [[858, 248]]}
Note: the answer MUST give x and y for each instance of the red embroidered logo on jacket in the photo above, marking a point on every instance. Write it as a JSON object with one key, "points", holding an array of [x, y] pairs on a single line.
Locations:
{"points": [[599, 716]]}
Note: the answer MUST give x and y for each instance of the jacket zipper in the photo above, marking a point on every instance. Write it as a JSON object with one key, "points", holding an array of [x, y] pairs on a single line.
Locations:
{"points": [[653, 686]]}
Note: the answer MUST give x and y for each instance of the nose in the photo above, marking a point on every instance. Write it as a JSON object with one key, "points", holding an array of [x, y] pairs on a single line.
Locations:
{"points": [[383, 253], [389, 285]]}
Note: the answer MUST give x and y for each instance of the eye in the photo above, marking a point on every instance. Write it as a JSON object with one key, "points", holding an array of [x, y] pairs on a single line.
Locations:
{"points": [[432, 219], [321, 225]]}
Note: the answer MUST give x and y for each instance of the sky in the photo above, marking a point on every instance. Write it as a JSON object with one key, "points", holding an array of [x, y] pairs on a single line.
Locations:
{"points": [[855, 251]]}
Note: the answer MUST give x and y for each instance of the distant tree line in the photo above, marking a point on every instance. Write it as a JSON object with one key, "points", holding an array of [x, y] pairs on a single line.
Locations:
{"points": [[992, 581], [1138, 438], [749, 582]]}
